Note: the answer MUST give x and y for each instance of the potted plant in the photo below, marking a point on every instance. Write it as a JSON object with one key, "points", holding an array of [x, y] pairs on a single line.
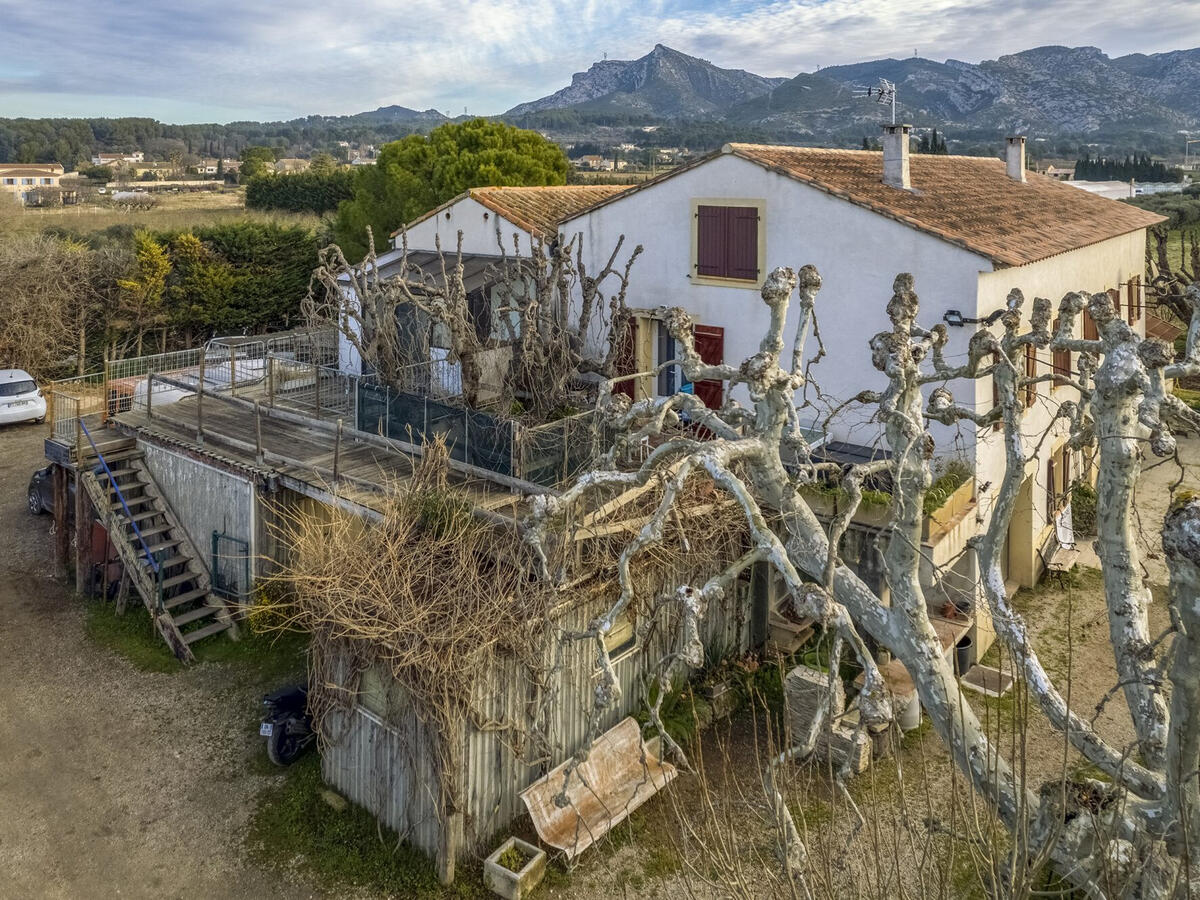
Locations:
{"points": [[514, 869]]}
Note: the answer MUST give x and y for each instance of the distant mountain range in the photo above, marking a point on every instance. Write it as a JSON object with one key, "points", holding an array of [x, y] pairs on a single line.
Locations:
{"points": [[1048, 90], [663, 83]]}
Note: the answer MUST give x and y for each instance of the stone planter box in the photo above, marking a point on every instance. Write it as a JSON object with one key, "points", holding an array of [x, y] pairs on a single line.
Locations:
{"points": [[511, 885], [944, 516]]}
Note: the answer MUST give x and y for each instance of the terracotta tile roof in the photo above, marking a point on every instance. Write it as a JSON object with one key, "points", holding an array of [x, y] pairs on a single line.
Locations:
{"points": [[967, 200], [536, 209]]}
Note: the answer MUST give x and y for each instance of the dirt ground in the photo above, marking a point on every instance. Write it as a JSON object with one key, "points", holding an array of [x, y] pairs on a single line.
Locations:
{"points": [[113, 782]]}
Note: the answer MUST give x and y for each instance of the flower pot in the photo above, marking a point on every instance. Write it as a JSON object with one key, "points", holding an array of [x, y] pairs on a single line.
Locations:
{"points": [[503, 881], [964, 650]]}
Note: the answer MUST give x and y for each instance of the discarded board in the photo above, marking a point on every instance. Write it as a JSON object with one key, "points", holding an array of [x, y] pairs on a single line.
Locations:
{"points": [[602, 792], [987, 681]]}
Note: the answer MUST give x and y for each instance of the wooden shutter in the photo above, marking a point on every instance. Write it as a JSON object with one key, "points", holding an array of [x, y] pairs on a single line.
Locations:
{"points": [[743, 242], [999, 423], [1066, 470], [727, 242], [1030, 372], [1051, 495], [711, 240], [1090, 332], [1062, 359], [710, 347], [1114, 294]]}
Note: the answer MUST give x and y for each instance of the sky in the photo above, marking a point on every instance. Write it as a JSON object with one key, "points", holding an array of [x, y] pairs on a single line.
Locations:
{"points": [[196, 62]]}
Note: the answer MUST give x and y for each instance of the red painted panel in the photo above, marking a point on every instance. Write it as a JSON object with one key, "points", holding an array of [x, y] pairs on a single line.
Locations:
{"points": [[743, 242], [711, 226], [625, 360], [710, 345]]}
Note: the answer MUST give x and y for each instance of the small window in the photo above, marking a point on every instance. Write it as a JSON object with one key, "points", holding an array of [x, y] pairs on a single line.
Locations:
{"points": [[727, 242], [622, 636]]}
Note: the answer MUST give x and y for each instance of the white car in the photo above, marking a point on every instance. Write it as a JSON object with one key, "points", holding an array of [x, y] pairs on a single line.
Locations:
{"points": [[20, 399]]}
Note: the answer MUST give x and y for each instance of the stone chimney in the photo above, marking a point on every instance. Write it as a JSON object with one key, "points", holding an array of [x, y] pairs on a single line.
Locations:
{"points": [[1014, 157], [895, 156]]}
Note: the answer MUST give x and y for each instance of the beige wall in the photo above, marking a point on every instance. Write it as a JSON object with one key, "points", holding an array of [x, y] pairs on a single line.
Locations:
{"points": [[1109, 264]]}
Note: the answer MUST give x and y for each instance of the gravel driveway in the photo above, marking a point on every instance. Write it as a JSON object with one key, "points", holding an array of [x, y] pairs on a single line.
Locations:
{"points": [[113, 782]]}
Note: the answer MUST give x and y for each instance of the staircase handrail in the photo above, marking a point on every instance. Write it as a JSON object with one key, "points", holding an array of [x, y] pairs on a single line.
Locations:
{"points": [[125, 506]]}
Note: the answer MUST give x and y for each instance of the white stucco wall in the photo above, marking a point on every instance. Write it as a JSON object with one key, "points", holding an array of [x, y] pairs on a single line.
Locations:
{"points": [[857, 252], [478, 225], [1108, 264]]}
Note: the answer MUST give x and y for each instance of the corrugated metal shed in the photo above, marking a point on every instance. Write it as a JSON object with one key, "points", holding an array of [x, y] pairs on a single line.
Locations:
{"points": [[387, 769], [206, 500]]}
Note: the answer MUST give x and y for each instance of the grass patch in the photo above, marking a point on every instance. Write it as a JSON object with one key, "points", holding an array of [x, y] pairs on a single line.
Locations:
{"points": [[271, 656], [132, 636], [342, 847]]}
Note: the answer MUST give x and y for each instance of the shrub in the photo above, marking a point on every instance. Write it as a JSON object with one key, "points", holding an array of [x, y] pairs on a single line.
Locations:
{"points": [[1083, 507]]}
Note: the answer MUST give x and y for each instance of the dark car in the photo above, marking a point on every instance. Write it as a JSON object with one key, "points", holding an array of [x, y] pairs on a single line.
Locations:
{"points": [[41, 492]]}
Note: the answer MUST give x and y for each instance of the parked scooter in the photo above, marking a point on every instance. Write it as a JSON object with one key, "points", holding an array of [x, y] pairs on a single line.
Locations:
{"points": [[287, 726]]}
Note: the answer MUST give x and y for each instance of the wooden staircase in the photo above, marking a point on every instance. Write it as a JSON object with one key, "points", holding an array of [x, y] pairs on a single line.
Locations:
{"points": [[143, 528]]}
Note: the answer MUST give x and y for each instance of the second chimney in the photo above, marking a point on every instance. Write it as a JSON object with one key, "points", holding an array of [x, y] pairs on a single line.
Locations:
{"points": [[895, 156], [1014, 157]]}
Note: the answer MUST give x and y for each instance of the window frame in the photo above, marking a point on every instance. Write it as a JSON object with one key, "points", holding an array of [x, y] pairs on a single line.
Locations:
{"points": [[719, 280]]}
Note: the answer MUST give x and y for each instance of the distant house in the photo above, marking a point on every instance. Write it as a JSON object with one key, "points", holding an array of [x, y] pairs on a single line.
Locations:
{"points": [[291, 164], [1060, 173], [362, 161], [595, 163], [36, 184], [116, 159]]}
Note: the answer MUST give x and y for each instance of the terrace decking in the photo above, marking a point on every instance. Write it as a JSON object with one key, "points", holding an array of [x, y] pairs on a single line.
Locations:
{"points": [[304, 453]]}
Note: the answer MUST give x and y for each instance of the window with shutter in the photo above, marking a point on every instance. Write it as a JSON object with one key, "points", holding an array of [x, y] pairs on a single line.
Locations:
{"points": [[727, 241], [1090, 332], [1114, 294]]}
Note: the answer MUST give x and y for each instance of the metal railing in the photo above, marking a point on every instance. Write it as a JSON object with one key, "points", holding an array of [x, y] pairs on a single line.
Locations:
{"points": [[153, 562]]}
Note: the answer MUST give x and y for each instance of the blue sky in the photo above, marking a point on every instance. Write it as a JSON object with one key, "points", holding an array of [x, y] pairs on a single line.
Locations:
{"points": [[200, 62]]}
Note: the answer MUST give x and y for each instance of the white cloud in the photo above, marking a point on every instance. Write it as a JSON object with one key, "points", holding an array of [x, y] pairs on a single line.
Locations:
{"points": [[264, 59]]}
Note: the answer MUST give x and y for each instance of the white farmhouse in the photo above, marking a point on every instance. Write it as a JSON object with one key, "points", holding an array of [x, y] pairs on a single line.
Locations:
{"points": [[969, 230]]}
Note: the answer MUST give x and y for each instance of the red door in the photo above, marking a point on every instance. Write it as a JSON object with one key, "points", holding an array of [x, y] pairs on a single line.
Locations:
{"points": [[710, 345]]}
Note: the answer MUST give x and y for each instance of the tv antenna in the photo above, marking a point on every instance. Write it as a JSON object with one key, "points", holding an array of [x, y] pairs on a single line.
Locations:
{"points": [[884, 92]]}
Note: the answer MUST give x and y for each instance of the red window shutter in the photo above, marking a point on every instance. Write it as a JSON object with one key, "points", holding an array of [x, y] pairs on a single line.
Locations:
{"points": [[1114, 294], [743, 242], [1051, 491], [1030, 372], [711, 226], [1090, 332], [727, 242], [999, 423], [1062, 359]]}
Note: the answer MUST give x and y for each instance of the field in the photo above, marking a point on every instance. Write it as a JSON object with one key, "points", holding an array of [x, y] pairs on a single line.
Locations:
{"points": [[172, 212]]}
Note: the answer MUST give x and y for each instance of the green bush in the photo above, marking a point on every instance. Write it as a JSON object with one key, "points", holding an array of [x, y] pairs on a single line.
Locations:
{"points": [[301, 192], [1083, 507]]}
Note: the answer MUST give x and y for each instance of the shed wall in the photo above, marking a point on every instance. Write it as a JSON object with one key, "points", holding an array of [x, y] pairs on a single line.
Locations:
{"points": [[207, 500]]}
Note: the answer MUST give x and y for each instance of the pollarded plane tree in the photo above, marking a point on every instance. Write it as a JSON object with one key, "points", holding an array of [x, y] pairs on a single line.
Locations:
{"points": [[560, 320], [1129, 834]]}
